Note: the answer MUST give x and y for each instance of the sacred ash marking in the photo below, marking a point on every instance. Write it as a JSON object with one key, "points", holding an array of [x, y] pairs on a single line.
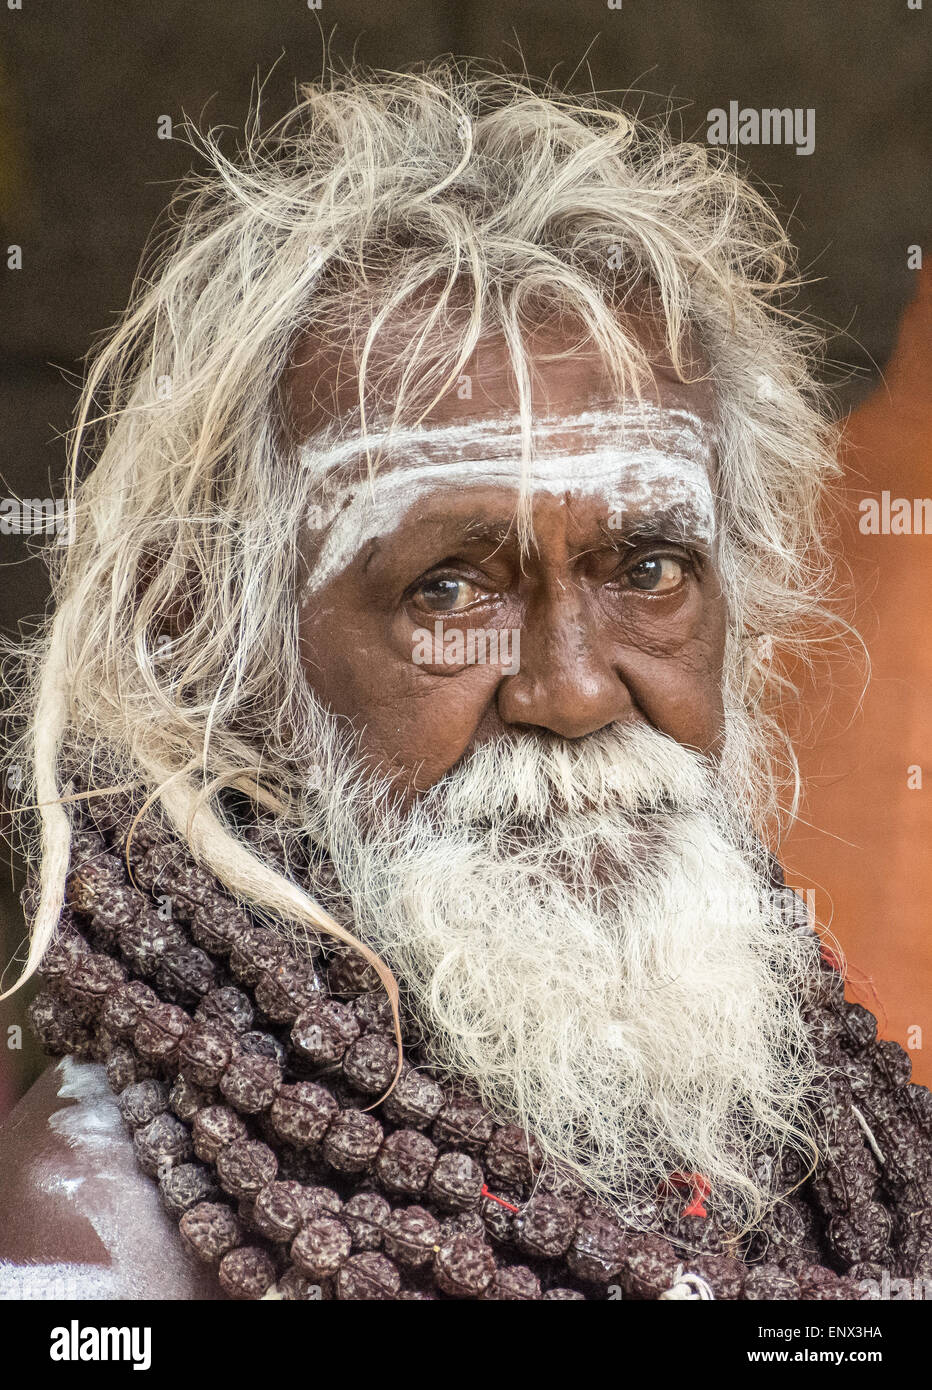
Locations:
{"points": [[634, 460]]}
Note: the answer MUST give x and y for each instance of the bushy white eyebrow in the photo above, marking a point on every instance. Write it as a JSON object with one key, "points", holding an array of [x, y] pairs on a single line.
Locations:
{"points": [[632, 459]]}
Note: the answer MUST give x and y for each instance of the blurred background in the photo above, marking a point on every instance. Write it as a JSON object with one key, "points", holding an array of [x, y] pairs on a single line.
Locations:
{"points": [[84, 172]]}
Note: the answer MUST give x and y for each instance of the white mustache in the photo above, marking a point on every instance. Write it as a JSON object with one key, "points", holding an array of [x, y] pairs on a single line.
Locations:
{"points": [[611, 982]]}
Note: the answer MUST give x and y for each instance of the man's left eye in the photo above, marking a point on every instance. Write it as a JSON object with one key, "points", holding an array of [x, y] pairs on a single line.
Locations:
{"points": [[657, 574], [446, 595]]}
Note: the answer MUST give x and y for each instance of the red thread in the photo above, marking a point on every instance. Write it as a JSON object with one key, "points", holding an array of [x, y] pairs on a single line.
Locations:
{"points": [[698, 1188], [500, 1200], [857, 983], [830, 958]]}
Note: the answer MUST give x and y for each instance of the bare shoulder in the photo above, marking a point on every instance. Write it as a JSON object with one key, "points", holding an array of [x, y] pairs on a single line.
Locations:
{"points": [[77, 1217]]}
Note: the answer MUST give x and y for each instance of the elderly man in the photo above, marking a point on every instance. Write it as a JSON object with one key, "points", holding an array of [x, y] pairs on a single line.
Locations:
{"points": [[404, 747]]}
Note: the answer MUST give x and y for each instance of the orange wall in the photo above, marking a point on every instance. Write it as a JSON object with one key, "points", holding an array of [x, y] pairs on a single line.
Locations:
{"points": [[868, 849]]}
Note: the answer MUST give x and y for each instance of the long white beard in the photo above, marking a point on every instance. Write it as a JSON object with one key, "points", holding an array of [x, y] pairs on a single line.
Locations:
{"points": [[584, 932]]}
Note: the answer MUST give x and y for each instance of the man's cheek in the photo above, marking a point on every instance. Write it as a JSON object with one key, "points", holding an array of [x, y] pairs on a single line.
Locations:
{"points": [[418, 737]]}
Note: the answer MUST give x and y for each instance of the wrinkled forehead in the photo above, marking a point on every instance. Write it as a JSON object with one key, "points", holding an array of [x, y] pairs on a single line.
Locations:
{"points": [[638, 459], [567, 375], [652, 451]]}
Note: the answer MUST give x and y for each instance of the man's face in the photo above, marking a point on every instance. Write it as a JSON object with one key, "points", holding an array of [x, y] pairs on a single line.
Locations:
{"points": [[565, 886], [616, 602]]}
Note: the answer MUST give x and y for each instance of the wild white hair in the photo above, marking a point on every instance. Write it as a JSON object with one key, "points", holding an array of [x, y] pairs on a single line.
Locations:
{"points": [[171, 664]]}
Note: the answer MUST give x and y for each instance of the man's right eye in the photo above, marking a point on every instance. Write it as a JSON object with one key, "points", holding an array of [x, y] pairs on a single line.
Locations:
{"points": [[446, 594]]}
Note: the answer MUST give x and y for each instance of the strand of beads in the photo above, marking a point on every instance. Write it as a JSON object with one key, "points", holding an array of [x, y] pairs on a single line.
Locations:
{"points": [[245, 1127]]}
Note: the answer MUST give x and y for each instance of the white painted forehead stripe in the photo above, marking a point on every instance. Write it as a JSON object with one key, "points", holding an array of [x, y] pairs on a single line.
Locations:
{"points": [[632, 459], [500, 437]]}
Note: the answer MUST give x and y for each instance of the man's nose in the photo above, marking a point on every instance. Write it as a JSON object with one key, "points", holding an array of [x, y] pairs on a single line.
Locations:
{"points": [[566, 682]]}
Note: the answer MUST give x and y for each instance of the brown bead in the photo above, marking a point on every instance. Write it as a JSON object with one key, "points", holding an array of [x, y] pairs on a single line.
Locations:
{"points": [[558, 1183], [279, 1210], [257, 949], [204, 1054], [159, 1032], [499, 1211], [142, 1101], [723, 1274], [112, 915], [218, 925], [545, 1226], [369, 1063], [415, 1101], [320, 1247], [144, 941], [58, 1027], [187, 1100], [322, 1201], [649, 1263], [185, 974], [597, 1250], [323, 1031], [563, 1296], [373, 1012], [294, 1288], [860, 1027], [153, 868], [160, 1144], [405, 1162], [464, 1122], [228, 1008], [215, 1128], [456, 1181], [258, 1044], [184, 1186], [350, 973], [893, 1063], [513, 1282], [861, 1234], [90, 881], [251, 1083], [412, 1236], [210, 1229], [246, 1273], [125, 1005], [285, 990], [368, 1276], [464, 1266], [62, 954], [192, 886], [352, 1141], [124, 1068], [366, 1215], [89, 981], [818, 1284], [510, 1157], [301, 1114], [245, 1167], [769, 1283]]}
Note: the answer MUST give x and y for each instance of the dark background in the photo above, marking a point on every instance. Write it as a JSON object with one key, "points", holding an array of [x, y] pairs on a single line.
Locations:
{"points": [[83, 174]]}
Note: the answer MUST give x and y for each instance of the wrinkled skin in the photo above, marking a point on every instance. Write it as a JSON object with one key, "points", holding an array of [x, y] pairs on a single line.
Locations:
{"points": [[595, 649], [592, 651]]}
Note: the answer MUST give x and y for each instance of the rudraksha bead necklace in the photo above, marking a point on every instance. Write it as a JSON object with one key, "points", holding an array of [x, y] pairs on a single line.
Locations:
{"points": [[247, 1075]]}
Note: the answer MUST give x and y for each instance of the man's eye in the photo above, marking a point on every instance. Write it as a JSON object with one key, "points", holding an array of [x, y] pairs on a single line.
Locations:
{"points": [[657, 574], [446, 595]]}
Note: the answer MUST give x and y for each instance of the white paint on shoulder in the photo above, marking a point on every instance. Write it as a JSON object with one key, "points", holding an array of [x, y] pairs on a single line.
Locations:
{"points": [[146, 1256]]}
